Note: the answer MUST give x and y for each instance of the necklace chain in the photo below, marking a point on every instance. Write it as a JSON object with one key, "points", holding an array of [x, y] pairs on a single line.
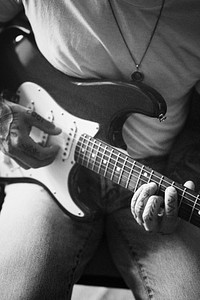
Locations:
{"points": [[137, 75]]}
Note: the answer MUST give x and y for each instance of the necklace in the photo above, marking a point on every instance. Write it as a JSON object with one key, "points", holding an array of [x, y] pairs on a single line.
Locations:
{"points": [[138, 75]]}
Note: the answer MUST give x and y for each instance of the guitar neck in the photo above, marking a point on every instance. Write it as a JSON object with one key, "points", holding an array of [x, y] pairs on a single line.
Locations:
{"points": [[126, 172]]}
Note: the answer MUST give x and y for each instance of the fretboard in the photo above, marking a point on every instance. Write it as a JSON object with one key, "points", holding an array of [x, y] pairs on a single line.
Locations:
{"points": [[130, 174]]}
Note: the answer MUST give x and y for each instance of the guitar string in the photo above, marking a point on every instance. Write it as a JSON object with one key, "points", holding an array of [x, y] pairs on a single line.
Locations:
{"points": [[192, 215], [194, 206], [146, 171], [125, 174], [103, 146], [127, 167]]}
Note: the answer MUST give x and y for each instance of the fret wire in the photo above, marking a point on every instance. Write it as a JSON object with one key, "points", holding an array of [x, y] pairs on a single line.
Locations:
{"points": [[78, 152], [122, 162], [122, 169], [130, 174], [89, 152], [85, 151], [138, 180], [93, 156], [101, 157], [108, 162], [193, 208], [166, 182], [150, 176], [95, 161], [114, 166], [82, 148], [182, 196], [85, 156], [160, 182]]}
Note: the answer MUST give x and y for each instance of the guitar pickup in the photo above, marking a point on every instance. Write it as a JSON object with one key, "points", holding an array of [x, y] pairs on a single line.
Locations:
{"points": [[68, 140]]}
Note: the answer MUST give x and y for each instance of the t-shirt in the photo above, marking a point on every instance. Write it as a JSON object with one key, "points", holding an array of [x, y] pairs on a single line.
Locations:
{"points": [[106, 39]]}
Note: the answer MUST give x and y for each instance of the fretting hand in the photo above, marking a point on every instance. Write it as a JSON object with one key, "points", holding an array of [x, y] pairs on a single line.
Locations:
{"points": [[16, 122], [153, 212]]}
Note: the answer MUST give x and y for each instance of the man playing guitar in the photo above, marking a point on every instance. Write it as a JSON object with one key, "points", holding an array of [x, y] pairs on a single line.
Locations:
{"points": [[153, 45]]}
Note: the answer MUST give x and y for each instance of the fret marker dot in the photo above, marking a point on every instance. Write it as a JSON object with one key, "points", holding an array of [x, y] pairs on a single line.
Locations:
{"points": [[104, 161], [199, 212], [93, 155], [118, 169], [145, 174]]}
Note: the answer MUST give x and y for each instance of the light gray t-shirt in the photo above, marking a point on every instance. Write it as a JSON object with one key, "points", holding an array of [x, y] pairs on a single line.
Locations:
{"points": [[82, 39]]}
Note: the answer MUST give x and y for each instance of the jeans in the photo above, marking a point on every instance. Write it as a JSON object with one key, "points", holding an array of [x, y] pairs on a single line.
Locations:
{"points": [[43, 251]]}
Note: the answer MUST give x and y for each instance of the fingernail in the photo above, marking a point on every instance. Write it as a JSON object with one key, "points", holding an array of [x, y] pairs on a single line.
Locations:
{"points": [[58, 130]]}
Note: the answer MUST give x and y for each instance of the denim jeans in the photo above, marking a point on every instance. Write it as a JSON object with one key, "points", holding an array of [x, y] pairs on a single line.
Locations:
{"points": [[43, 251]]}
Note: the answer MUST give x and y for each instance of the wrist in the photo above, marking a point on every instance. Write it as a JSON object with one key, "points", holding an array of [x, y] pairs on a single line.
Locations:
{"points": [[7, 95], [6, 118]]}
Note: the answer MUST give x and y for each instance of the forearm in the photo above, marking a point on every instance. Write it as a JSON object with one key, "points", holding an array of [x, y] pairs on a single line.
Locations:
{"points": [[6, 118]]}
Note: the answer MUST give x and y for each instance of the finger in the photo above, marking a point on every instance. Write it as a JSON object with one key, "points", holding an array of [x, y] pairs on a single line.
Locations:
{"points": [[26, 145], [170, 215], [171, 203], [29, 162], [142, 198], [38, 121], [20, 163], [26, 161], [190, 185], [151, 212], [134, 200], [29, 154]]}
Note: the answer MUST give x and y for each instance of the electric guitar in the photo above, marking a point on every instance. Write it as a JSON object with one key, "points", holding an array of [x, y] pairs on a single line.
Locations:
{"points": [[91, 115]]}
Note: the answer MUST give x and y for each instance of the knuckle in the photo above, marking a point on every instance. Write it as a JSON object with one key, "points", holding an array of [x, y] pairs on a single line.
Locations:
{"points": [[149, 189], [139, 207], [37, 117], [146, 192], [154, 199], [152, 208], [148, 215]]}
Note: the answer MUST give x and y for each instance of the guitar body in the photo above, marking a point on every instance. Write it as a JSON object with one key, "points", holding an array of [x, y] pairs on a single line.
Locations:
{"points": [[54, 177], [105, 102], [97, 108]]}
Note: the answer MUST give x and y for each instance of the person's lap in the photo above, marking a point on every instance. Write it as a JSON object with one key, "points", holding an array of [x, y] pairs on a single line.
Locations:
{"points": [[155, 266], [43, 251]]}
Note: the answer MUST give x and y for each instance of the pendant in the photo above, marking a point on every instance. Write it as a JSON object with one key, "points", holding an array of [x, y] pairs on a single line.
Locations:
{"points": [[137, 76]]}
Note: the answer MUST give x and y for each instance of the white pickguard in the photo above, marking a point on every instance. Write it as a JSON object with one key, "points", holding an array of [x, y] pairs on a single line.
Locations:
{"points": [[54, 176]]}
